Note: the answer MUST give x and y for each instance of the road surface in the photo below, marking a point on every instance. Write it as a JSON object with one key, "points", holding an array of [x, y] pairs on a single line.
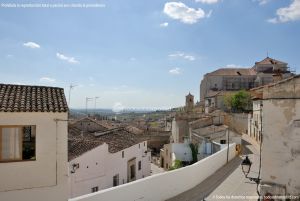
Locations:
{"points": [[228, 183]]}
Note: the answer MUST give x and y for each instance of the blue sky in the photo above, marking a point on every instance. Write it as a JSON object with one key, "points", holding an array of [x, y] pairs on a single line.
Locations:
{"points": [[141, 53]]}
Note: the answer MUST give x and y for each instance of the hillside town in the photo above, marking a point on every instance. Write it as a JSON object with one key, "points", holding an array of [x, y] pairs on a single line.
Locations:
{"points": [[240, 141], [138, 100]]}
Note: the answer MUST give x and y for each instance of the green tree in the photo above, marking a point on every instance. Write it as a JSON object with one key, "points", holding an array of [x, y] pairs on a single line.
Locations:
{"points": [[238, 102], [177, 165], [194, 149], [228, 101]]}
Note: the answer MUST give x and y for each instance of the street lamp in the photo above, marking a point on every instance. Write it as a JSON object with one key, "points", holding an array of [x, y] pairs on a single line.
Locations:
{"points": [[246, 166]]}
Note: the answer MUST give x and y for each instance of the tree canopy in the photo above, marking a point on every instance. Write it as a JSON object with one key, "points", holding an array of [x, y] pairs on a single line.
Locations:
{"points": [[238, 102]]}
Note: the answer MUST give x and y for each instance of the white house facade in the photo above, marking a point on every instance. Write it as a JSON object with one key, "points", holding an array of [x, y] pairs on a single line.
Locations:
{"points": [[110, 159], [33, 143]]}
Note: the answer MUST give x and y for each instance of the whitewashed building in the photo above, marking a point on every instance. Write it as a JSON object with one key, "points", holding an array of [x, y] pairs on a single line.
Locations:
{"points": [[175, 151], [105, 159], [33, 143]]}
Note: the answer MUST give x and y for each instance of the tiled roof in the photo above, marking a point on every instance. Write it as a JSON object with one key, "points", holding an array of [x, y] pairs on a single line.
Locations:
{"points": [[269, 60], [23, 98], [117, 140], [257, 93], [233, 71], [102, 126]]}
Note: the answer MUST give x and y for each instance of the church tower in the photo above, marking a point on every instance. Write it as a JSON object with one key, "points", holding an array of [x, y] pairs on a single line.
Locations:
{"points": [[189, 102]]}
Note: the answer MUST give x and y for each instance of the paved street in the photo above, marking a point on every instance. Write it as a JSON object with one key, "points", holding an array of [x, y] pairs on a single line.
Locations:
{"points": [[155, 169], [228, 183]]}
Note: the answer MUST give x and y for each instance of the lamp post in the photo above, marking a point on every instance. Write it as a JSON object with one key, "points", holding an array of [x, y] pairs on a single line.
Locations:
{"points": [[246, 166]]}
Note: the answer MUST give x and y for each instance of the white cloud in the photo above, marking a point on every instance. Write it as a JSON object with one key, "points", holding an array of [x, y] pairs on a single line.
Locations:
{"points": [[182, 55], [189, 57], [286, 14], [273, 20], [71, 60], [179, 11], [118, 107], [32, 45], [9, 56], [132, 59], [18, 83], [177, 54], [47, 79], [175, 71], [262, 2], [208, 1], [234, 66], [165, 24]]}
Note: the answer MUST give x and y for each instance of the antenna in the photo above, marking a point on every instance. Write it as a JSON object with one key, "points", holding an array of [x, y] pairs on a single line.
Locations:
{"points": [[87, 99], [96, 97], [71, 87], [267, 53]]}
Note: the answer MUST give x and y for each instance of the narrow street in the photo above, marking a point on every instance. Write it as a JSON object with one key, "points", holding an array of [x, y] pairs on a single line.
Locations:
{"points": [[228, 183], [155, 169]]}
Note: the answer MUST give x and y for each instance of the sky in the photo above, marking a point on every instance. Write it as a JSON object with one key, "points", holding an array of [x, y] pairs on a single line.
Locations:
{"points": [[140, 53]]}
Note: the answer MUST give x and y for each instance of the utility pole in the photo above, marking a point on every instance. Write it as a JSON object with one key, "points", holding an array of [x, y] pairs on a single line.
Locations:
{"points": [[87, 99], [96, 97], [71, 87]]}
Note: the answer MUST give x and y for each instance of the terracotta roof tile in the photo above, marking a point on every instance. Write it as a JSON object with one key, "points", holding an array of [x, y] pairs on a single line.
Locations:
{"points": [[233, 71], [269, 60], [117, 140], [23, 98]]}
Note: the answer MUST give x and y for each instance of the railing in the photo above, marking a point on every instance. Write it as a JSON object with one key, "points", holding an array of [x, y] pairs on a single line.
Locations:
{"points": [[164, 185]]}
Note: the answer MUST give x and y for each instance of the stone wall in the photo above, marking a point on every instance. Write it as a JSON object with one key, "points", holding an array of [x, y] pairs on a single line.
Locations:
{"points": [[156, 139], [237, 122], [281, 137]]}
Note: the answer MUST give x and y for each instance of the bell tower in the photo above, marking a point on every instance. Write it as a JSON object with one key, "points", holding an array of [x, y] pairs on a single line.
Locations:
{"points": [[189, 102]]}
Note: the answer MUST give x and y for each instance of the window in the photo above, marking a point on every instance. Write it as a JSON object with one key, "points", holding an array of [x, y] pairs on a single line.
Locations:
{"points": [[222, 141], [144, 143], [116, 180], [95, 189], [140, 165], [17, 143], [122, 154], [139, 145]]}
